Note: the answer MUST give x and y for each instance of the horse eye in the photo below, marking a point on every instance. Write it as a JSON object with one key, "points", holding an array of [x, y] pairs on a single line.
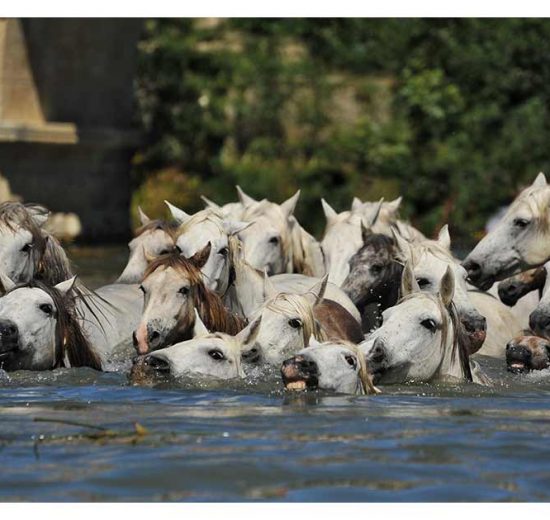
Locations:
{"points": [[26, 248], [274, 240], [521, 222], [223, 251], [46, 308], [164, 252], [352, 362], [216, 354], [295, 323], [184, 291], [429, 324], [376, 269], [422, 282]]}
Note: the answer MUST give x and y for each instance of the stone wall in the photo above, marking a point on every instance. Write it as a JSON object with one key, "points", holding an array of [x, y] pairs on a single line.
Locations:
{"points": [[66, 109]]}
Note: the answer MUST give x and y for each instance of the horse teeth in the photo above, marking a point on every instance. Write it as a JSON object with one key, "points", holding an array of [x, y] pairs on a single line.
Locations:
{"points": [[296, 385]]}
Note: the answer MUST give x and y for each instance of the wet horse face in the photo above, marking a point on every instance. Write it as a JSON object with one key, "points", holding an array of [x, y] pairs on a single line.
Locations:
{"points": [[429, 261], [415, 338], [287, 323], [526, 353], [169, 289], [518, 242], [326, 366], [28, 318]]}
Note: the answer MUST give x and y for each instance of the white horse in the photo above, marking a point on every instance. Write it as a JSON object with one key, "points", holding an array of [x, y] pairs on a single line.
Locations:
{"points": [[153, 238], [208, 354], [335, 366], [488, 323], [419, 339], [520, 240], [41, 328], [196, 231]]}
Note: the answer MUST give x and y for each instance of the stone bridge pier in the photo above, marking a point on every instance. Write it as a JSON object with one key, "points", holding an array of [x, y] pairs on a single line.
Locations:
{"points": [[66, 117]]}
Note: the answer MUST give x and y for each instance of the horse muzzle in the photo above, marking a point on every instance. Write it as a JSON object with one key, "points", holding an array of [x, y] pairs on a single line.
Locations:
{"points": [[9, 338], [475, 328], [299, 373]]}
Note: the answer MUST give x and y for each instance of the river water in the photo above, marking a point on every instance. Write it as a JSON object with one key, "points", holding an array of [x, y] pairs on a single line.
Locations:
{"points": [[76, 435]]}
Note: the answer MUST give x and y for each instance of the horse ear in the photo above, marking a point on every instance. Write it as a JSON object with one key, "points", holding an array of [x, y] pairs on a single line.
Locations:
{"points": [[66, 286], [249, 333], [289, 205], [540, 181], [232, 227], [366, 232], [7, 282], [317, 292], [246, 200], [313, 341], [177, 214], [409, 284], [444, 238], [269, 289], [376, 214], [143, 218], [394, 205], [199, 329], [201, 257], [330, 214], [210, 203], [447, 287], [356, 204], [402, 244]]}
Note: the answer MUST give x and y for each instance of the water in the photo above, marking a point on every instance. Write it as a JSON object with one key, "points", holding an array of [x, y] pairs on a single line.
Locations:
{"points": [[247, 442]]}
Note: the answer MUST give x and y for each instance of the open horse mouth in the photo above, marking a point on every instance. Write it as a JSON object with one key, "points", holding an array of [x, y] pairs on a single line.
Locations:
{"points": [[300, 374], [518, 360]]}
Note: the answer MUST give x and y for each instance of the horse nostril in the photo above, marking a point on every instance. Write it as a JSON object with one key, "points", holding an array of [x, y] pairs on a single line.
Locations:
{"points": [[157, 364], [473, 268], [134, 339], [154, 334], [8, 331]]}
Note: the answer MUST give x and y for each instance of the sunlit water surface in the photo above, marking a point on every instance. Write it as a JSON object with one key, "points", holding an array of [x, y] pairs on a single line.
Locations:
{"points": [[78, 435]]}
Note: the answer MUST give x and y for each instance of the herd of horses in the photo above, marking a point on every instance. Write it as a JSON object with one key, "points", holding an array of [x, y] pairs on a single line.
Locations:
{"points": [[242, 287]]}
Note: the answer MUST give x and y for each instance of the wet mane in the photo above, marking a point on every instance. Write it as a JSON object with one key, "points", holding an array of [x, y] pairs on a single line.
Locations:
{"points": [[213, 313], [71, 344]]}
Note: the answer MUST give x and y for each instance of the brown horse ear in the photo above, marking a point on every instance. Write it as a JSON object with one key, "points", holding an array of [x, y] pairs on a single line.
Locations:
{"points": [[201, 257]]}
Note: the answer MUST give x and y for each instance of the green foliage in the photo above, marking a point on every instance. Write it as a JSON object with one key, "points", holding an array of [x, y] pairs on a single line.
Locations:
{"points": [[450, 113]]}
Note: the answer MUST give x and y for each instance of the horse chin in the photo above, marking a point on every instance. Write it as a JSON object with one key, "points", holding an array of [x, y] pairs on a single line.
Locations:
{"points": [[483, 284]]}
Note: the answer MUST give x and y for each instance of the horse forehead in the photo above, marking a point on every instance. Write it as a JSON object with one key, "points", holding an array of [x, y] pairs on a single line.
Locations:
{"points": [[12, 233], [23, 298], [200, 234], [164, 277], [415, 306]]}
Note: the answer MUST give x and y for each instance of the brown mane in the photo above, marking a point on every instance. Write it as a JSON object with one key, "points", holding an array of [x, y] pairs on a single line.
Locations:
{"points": [[70, 341], [215, 316]]}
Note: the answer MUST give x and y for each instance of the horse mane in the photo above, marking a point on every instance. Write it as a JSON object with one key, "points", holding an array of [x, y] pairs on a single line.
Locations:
{"points": [[212, 311], [71, 343]]}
